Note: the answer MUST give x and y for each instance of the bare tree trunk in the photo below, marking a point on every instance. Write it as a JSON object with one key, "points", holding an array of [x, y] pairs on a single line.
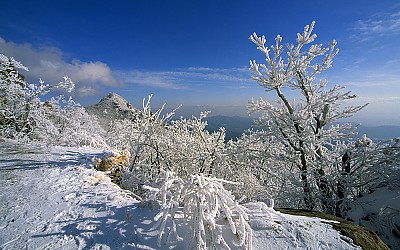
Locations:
{"points": [[328, 206], [308, 201], [342, 182]]}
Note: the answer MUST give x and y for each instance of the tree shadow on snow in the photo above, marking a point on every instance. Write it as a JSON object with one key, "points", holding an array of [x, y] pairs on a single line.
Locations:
{"points": [[62, 160], [126, 227]]}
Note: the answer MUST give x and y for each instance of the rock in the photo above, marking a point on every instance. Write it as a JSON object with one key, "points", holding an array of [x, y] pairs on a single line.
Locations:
{"points": [[114, 164]]}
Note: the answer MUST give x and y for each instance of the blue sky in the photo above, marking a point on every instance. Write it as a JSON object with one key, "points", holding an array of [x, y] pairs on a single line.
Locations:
{"points": [[196, 53]]}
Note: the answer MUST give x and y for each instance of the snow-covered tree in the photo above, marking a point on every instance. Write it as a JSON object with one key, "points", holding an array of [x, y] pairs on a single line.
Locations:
{"points": [[13, 113], [25, 117], [305, 126]]}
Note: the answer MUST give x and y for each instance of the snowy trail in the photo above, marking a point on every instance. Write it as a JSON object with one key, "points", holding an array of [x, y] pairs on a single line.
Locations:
{"points": [[52, 199]]}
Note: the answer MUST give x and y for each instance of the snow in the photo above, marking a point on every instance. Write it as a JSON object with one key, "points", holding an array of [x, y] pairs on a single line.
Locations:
{"points": [[379, 210], [52, 198], [283, 231]]}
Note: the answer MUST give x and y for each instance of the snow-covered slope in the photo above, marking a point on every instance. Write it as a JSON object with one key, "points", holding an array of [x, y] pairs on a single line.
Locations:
{"points": [[52, 198], [111, 107], [379, 210]]}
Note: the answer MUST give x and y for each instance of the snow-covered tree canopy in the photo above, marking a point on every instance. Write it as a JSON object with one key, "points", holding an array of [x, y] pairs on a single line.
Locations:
{"points": [[305, 125], [302, 121]]}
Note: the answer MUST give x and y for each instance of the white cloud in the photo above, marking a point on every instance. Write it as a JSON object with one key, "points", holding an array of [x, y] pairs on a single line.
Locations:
{"points": [[86, 91], [377, 80], [150, 79], [50, 64], [184, 78], [93, 72], [389, 100], [378, 25], [217, 74]]}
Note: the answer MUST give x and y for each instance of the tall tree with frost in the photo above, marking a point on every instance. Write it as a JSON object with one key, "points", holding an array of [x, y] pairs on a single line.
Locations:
{"points": [[13, 113], [303, 125]]}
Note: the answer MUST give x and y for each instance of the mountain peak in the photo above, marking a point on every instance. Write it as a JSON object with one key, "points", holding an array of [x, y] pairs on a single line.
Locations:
{"points": [[113, 98], [113, 95], [111, 107]]}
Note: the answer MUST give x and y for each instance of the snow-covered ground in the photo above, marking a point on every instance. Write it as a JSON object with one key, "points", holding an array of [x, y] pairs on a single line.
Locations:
{"points": [[52, 198], [379, 210]]}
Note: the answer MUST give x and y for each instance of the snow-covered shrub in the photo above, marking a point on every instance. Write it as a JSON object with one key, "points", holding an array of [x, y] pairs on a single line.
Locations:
{"points": [[142, 137], [252, 166], [266, 169], [207, 206], [365, 166], [369, 184], [73, 125], [158, 144]]}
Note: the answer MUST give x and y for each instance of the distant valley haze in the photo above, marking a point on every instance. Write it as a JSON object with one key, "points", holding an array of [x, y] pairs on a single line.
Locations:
{"points": [[234, 119]]}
